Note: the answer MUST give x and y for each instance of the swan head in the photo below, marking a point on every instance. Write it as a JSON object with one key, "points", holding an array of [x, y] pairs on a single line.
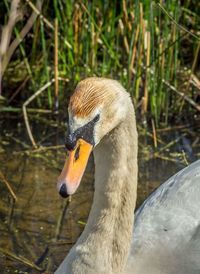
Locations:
{"points": [[96, 107]]}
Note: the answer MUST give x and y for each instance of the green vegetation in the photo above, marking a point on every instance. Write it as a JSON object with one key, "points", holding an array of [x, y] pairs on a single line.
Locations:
{"points": [[140, 43]]}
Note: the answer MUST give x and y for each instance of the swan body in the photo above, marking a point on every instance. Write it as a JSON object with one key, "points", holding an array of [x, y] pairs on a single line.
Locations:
{"points": [[102, 119], [166, 237]]}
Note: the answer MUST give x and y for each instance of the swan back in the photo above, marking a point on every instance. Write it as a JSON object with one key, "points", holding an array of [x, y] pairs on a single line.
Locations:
{"points": [[166, 237]]}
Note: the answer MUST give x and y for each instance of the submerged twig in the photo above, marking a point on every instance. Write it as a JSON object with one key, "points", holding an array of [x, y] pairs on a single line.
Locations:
{"points": [[170, 144], [8, 185], [29, 100], [60, 219], [172, 128], [10, 218], [25, 112], [145, 132], [20, 259], [184, 158], [18, 141], [43, 256], [165, 158], [19, 89]]}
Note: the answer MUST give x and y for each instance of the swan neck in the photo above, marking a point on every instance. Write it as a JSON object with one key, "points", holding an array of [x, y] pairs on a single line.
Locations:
{"points": [[104, 244], [112, 214]]}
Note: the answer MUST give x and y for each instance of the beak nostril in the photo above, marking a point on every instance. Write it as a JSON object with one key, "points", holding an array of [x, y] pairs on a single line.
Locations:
{"points": [[63, 191], [76, 156]]}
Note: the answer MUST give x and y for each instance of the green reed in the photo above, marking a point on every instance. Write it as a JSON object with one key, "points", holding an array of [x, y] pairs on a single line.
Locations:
{"points": [[134, 42]]}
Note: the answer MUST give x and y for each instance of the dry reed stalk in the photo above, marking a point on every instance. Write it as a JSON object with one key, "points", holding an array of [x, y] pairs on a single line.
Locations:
{"points": [[96, 39], [154, 133], [162, 62], [147, 43], [174, 21], [125, 12], [56, 62], [31, 110], [126, 19], [103, 38], [141, 15], [161, 73], [126, 45], [93, 45], [46, 21], [195, 58], [172, 53], [181, 94], [193, 65], [140, 53], [6, 50], [195, 81], [125, 40], [76, 29], [171, 87], [22, 34], [6, 37], [134, 51], [38, 12]]}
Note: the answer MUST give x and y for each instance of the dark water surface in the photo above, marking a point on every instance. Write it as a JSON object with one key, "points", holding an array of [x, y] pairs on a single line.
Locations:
{"points": [[41, 227]]}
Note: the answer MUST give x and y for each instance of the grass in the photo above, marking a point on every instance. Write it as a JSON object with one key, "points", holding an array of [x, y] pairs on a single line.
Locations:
{"points": [[137, 42]]}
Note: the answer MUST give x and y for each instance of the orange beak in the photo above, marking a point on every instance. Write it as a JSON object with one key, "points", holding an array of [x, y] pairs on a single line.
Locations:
{"points": [[74, 168]]}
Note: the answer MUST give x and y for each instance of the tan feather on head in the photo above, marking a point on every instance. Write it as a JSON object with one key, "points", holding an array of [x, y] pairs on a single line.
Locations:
{"points": [[88, 95]]}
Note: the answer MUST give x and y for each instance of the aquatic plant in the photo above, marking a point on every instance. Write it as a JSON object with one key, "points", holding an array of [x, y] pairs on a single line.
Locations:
{"points": [[151, 48]]}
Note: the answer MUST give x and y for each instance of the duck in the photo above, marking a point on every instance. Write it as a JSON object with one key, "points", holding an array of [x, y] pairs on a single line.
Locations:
{"points": [[163, 236]]}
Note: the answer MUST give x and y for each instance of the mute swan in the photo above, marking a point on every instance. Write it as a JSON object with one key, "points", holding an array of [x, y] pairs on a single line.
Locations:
{"points": [[166, 235]]}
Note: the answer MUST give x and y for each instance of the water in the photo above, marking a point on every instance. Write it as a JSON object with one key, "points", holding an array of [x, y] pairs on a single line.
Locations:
{"points": [[33, 228]]}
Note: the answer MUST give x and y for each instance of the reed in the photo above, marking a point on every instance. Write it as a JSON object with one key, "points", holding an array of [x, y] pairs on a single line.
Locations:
{"points": [[140, 43]]}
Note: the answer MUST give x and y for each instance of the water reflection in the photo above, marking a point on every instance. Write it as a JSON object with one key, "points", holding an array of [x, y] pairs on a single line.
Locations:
{"points": [[33, 228], [29, 227]]}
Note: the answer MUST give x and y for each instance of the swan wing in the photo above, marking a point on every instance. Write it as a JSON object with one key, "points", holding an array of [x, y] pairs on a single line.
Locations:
{"points": [[166, 237]]}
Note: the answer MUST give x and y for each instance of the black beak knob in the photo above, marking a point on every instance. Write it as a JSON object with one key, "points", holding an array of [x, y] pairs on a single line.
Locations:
{"points": [[63, 191]]}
